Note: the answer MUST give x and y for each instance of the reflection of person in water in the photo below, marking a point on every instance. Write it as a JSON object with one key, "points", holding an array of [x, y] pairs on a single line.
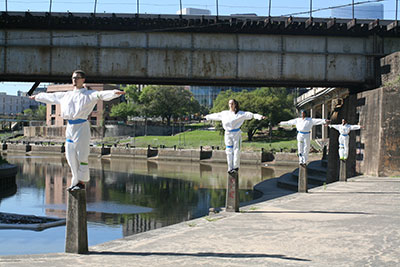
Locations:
{"points": [[344, 130], [76, 105], [303, 125], [232, 119]]}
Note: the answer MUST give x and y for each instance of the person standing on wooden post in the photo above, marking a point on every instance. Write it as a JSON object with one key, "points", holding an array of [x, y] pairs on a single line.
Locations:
{"points": [[303, 126], [344, 130], [76, 105], [232, 120]]}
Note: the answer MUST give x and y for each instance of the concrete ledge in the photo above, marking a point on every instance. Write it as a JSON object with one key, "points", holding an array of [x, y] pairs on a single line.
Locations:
{"points": [[52, 149], [7, 177], [128, 152], [41, 222], [181, 154]]}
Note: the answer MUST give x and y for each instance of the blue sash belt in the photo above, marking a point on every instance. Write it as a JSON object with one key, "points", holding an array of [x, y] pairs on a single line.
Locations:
{"points": [[70, 141], [229, 146], [234, 130], [303, 132], [77, 121], [344, 134]]}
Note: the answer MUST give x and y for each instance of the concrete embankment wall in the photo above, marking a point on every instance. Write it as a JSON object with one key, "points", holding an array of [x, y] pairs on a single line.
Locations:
{"points": [[107, 131], [378, 148], [168, 154]]}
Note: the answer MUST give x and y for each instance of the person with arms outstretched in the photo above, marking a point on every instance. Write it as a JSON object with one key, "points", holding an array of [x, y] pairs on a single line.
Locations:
{"points": [[303, 126], [344, 130], [231, 120], [76, 105]]}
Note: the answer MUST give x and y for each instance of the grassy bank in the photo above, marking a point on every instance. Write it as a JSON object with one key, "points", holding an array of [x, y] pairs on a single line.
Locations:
{"points": [[195, 139]]}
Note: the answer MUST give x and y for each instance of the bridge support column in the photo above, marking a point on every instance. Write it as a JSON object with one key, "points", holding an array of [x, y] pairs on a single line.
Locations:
{"points": [[342, 171], [325, 116], [232, 192], [303, 179], [312, 115], [76, 240]]}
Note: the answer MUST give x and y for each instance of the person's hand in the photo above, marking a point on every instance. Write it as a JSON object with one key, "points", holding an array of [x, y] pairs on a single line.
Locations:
{"points": [[327, 122], [120, 92], [263, 117], [32, 97]]}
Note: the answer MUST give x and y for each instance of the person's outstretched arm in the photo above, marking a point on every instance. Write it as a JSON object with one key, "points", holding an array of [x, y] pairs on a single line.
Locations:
{"points": [[249, 115], [355, 127], [214, 116], [288, 123], [48, 98], [107, 95], [319, 121], [334, 126]]}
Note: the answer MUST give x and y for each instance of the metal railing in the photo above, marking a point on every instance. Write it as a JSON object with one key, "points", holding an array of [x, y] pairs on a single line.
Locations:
{"points": [[309, 8]]}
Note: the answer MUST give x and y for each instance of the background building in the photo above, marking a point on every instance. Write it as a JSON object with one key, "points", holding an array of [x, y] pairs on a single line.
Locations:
{"points": [[206, 95], [100, 112], [194, 11], [12, 105], [365, 11]]}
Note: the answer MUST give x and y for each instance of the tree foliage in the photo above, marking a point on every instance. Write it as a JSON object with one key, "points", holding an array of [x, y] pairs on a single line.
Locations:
{"points": [[167, 102], [36, 114], [129, 108], [274, 103]]}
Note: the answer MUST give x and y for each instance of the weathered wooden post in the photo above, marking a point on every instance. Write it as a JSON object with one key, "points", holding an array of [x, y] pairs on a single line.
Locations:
{"points": [[232, 193], [76, 240], [303, 180], [342, 171]]}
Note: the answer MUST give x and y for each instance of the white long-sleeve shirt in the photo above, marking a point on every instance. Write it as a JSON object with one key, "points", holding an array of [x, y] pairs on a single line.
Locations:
{"points": [[345, 129], [78, 103], [303, 125], [231, 120]]}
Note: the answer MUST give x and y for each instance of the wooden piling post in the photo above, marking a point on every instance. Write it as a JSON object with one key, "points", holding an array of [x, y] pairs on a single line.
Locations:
{"points": [[342, 171], [303, 179], [76, 240], [232, 192]]}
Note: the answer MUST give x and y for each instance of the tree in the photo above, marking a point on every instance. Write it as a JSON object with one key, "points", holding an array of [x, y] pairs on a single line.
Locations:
{"points": [[129, 108], [41, 113], [167, 102], [274, 103], [123, 110]]}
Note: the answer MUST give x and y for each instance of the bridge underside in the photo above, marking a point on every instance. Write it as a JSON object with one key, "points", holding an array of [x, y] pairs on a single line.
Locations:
{"points": [[194, 50]]}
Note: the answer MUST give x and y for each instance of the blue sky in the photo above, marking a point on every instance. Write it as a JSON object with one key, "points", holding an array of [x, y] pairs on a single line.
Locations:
{"points": [[225, 7]]}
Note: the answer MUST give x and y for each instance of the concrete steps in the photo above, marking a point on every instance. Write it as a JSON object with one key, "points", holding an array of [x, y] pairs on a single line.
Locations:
{"points": [[316, 172]]}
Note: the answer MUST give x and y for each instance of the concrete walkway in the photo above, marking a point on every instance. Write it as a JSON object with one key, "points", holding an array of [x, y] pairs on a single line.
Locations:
{"points": [[354, 223]]}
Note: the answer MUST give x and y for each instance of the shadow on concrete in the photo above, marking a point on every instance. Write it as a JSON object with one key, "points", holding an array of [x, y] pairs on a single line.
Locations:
{"points": [[346, 193], [200, 254], [307, 211]]}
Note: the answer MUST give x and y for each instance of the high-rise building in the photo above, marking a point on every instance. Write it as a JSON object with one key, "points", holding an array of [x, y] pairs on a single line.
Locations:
{"points": [[206, 95], [364, 11], [194, 11]]}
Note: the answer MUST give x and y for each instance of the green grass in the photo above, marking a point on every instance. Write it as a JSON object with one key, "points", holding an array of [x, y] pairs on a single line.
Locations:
{"points": [[195, 139]]}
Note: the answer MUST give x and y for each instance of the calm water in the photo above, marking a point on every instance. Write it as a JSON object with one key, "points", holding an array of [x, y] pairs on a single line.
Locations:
{"points": [[124, 197]]}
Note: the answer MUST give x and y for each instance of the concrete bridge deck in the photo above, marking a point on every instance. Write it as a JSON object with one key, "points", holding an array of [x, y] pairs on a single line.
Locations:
{"points": [[343, 224]]}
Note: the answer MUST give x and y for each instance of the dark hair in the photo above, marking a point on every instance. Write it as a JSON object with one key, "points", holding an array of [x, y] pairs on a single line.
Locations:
{"points": [[303, 111], [81, 73], [236, 105]]}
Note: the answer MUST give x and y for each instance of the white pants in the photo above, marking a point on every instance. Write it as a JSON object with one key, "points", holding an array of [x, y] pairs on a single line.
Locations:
{"points": [[343, 146], [77, 151], [303, 147], [233, 142]]}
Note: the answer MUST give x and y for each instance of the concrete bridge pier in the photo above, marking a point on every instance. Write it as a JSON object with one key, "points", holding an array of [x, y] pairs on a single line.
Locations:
{"points": [[342, 171], [76, 240], [303, 179], [232, 192]]}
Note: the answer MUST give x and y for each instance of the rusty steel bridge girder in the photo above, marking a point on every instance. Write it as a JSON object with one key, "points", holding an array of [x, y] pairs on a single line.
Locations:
{"points": [[173, 49]]}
